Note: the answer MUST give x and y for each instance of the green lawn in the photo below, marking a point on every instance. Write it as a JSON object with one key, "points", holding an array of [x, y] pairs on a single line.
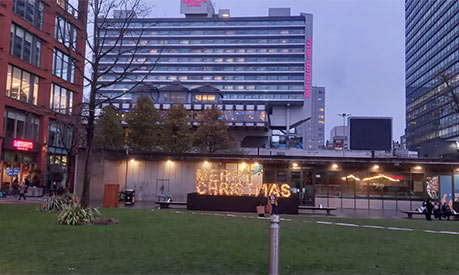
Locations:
{"points": [[167, 242]]}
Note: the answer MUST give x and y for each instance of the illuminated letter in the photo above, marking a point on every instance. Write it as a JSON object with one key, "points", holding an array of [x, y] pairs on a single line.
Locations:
{"points": [[275, 189], [285, 190], [225, 189], [213, 182], [201, 179], [238, 186], [266, 190]]}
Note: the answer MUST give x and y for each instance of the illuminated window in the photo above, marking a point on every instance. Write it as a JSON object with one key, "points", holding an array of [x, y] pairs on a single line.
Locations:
{"points": [[240, 60], [218, 59], [284, 32], [218, 77], [321, 122], [229, 60], [204, 98], [153, 51], [321, 109], [321, 116]]}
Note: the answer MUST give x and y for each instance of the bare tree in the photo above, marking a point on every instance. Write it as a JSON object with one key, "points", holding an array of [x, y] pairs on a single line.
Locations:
{"points": [[105, 45]]}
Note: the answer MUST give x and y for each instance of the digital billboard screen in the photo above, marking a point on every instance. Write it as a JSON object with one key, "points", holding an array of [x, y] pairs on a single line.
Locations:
{"points": [[370, 133]]}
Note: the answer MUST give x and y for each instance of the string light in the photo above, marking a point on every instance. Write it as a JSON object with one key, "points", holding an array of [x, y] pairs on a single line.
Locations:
{"points": [[234, 183], [351, 177], [380, 177]]}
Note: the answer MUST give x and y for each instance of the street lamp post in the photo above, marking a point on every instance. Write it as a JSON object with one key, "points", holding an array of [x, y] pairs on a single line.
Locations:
{"points": [[344, 116]]}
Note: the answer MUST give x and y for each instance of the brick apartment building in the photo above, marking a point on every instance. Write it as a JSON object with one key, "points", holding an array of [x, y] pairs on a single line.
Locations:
{"points": [[41, 85]]}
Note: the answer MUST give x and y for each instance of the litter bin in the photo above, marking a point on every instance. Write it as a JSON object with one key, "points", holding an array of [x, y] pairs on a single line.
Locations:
{"points": [[129, 198]]}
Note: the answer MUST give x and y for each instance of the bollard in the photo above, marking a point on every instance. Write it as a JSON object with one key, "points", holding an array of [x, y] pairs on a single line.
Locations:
{"points": [[274, 246]]}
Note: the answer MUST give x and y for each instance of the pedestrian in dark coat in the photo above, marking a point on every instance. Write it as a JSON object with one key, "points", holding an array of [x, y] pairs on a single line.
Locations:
{"points": [[446, 210], [437, 211], [429, 208]]}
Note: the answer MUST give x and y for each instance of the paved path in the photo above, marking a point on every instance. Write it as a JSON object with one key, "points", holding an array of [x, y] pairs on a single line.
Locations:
{"points": [[14, 200]]}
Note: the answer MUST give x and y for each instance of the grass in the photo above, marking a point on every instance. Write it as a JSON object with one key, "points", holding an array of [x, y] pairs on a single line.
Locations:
{"points": [[166, 242]]}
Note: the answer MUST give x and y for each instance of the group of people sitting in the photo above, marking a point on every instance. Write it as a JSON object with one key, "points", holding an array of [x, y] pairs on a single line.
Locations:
{"points": [[439, 211]]}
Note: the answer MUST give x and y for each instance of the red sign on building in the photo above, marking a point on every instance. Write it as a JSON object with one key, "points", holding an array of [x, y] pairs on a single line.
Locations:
{"points": [[22, 145]]}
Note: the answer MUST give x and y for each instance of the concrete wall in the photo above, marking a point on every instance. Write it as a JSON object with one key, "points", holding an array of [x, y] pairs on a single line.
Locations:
{"points": [[151, 179]]}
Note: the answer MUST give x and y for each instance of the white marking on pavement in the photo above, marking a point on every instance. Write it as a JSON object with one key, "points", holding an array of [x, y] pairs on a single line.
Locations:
{"points": [[321, 222], [449, 232], [347, 224], [374, 226], [399, 228]]}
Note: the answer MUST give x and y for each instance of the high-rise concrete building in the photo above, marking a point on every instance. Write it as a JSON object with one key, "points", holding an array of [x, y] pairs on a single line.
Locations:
{"points": [[261, 63], [315, 127], [432, 50], [41, 60]]}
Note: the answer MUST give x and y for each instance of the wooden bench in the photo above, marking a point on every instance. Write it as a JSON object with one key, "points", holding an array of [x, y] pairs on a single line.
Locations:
{"points": [[411, 213], [328, 209], [165, 204]]}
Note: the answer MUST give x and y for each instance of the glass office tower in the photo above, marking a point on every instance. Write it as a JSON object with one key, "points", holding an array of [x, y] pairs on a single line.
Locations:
{"points": [[432, 51]]}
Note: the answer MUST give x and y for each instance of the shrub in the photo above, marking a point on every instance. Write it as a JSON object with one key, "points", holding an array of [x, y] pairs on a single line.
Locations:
{"points": [[75, 214], [58, 203]]}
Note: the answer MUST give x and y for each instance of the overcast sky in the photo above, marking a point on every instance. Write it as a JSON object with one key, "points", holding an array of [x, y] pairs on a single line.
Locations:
{"points": [[358, 52]]}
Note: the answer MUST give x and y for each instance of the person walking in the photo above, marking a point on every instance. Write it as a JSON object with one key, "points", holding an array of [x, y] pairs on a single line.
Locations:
{"points": [[274, 203], [429, 208], [22, 191], [446, 210]]}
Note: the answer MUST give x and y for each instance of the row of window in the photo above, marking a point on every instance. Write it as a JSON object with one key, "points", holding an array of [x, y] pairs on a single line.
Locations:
{"points": [[208, 77], [128, 86], [63, 66], [413, 18], [263, 96], [426, 50], [21, 125], [185, 67], [201, 59], [65, 32], [215, 50], [416, 72], [30, 10], [21, 85], [25, 45], [61, 100], [433, 71], [71, 6], [210, 23], [207, 32], [60, 135], [413, 102], [415, 32], [136, 42], [438, 25]]}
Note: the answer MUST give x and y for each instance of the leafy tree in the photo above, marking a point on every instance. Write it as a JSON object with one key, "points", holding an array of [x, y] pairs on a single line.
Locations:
{"points": [[212, 134], [109, 131], [175, 132], [143, 125]]}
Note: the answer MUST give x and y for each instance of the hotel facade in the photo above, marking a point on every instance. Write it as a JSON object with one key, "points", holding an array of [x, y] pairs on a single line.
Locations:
{"points": [[259, 67]]}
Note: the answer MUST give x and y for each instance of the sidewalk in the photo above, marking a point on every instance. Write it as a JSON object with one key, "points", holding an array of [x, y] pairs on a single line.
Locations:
{"points": [[14, 200]]}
